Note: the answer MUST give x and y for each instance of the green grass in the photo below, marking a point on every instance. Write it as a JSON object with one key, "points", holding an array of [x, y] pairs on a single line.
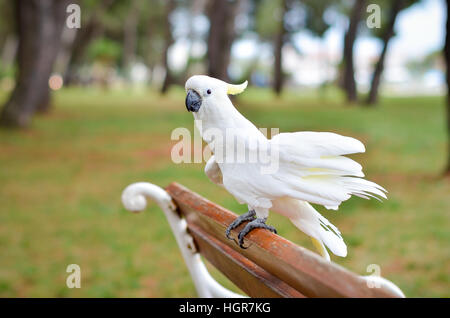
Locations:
{"points": [[61, 181]]}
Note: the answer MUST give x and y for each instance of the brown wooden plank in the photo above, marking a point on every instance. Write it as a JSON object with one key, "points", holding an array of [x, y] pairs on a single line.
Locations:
{"points": [[252, 279], [298, 267]]}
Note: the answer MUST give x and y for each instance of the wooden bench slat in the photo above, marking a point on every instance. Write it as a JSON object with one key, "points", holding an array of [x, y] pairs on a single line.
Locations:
{"points": [[301, 269], [252, 279]]}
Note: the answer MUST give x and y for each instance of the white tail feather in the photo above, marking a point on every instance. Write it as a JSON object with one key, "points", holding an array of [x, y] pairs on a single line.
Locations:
{"points": [[312, 223]]}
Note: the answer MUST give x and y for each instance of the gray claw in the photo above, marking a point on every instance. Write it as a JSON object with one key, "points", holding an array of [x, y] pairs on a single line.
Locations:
{"points": [[255, 224], [250, 215]]}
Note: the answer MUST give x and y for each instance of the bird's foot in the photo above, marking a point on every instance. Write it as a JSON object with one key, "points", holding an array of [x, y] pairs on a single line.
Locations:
{"points": [[250, 215], [255, 224]]}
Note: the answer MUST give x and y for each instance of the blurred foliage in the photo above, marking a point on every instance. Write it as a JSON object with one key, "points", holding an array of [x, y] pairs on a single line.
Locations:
{"points": [[105, 50], [316, 21], [429, 62], [386, 8], [269, 14]]}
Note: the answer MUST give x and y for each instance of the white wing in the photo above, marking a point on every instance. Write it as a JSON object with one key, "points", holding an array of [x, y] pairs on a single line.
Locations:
{"points": [[312, 167]]}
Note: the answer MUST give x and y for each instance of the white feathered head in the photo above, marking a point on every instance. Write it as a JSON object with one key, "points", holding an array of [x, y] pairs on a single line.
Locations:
{"points": [[204, 90]]}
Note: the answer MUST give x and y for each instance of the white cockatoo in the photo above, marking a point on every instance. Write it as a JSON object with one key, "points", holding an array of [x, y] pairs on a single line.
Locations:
{"points": [[310, 167]]}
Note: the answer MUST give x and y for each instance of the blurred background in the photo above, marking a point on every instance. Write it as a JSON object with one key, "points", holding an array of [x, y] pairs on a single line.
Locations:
{"points": [[90, 92]]}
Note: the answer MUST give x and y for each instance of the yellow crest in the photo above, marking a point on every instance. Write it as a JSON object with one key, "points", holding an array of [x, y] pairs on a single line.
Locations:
{"points": [[236, 89]]}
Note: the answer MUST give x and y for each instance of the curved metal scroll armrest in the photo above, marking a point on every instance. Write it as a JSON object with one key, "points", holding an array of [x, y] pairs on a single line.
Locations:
{"points": [[134, 199], [374, 281]]}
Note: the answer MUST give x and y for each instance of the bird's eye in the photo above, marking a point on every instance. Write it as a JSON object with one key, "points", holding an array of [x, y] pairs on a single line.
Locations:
{"points": [[208, 92]]}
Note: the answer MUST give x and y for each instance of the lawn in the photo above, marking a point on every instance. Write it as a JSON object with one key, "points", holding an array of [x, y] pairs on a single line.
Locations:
{"points": [[61, 181]]}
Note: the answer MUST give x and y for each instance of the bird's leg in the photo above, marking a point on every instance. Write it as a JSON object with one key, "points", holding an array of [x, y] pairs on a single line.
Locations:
{"points": [[259, 223], [250, 215]]}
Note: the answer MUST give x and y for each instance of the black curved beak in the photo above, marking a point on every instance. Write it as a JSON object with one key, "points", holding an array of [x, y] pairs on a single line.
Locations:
{"points": [[193, 101]]}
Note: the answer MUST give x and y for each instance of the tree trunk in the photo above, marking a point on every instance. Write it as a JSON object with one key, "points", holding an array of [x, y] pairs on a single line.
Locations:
{"points": [[89, 30], [168, 41], [221, 36], [278, 79], [388, 34], [447, 60], [130, 35], [40, 23], [349, 83], [9, 51]]}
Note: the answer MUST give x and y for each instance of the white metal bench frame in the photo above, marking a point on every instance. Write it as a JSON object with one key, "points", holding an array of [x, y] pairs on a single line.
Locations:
{"points": [[134, 199]]}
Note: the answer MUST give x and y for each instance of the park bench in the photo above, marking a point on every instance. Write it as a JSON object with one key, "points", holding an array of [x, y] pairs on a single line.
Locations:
{"points": [[271, 267]]}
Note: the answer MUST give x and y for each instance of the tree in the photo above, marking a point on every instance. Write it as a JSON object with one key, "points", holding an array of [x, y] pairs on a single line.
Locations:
{"points": [[387, 32], [280, 36], [318, 25], [276, 22], [315, 20], [349, 83], [168, 41], [92, 28], [447, 60], [151, 43], [221, 35], [8, 36], [39, 27], [130, 34], [396, 7]]}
